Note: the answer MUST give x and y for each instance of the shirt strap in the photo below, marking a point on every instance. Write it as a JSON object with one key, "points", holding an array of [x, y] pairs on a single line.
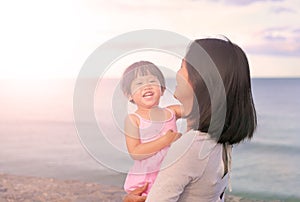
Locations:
{"points": [[229, 159]]}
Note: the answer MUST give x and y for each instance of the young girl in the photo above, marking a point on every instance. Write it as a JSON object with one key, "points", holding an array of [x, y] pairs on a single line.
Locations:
{"points": [[148, 130]]}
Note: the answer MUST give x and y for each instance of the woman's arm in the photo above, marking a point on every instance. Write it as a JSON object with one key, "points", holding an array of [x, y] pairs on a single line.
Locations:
{"points": [[140, 151], [178, 110]]}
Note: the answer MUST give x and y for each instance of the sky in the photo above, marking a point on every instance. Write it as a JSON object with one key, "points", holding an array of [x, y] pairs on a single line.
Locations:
{"points": [[53, 39]]}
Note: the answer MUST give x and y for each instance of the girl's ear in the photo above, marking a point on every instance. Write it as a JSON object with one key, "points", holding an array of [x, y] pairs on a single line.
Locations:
{"points": [[130, 98]]}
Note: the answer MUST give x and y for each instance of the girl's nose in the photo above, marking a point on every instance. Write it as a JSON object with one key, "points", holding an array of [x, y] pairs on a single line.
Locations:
{"points": [[148, 86]]}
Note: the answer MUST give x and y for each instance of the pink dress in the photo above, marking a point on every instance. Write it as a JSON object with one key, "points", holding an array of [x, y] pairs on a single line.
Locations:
{"points": [[146, 170]]}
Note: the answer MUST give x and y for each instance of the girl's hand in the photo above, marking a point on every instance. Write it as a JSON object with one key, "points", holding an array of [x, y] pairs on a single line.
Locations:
{"points": [[172, 136]]}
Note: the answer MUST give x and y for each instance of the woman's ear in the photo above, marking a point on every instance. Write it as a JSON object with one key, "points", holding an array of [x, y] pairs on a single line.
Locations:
{"points": [[163, 90]]}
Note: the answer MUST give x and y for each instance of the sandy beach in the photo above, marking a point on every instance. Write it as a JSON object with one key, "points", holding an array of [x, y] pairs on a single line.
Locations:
{"points": [[27, 189]]}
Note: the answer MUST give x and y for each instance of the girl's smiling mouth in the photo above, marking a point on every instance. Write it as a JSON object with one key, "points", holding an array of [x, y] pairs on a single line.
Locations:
{"points": [[148, 94]]}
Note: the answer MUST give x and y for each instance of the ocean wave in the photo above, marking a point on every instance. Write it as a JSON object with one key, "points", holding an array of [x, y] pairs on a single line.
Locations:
{"points": [[270, 146]]}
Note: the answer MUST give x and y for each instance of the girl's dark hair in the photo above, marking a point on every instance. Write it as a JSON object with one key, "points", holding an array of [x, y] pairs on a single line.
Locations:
{"points": [[232, 65], [141, 68]]}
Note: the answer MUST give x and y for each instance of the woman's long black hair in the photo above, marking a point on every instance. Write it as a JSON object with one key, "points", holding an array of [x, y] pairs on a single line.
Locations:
{"points": [[232, 64]]}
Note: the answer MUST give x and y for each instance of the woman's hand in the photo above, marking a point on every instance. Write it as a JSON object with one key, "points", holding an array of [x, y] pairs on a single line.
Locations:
{"points": [[135, 195]]}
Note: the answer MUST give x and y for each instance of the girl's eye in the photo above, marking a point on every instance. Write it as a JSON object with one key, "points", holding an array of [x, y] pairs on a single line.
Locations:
{"points": [[138, 83]]}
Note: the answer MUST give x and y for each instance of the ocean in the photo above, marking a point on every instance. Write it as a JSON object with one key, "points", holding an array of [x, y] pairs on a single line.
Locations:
{"points": [[38, 136]]}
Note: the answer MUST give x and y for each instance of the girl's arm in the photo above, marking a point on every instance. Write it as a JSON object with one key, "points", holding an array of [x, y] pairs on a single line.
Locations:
{"points": [[140, 151], [177, 109]]}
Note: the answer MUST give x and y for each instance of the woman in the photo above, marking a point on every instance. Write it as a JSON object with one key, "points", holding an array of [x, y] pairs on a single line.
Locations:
{"points": [[213, 85]]}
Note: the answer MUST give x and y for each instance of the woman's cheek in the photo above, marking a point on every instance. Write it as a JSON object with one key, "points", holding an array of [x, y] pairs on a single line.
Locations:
{"points": [[183, 92]]}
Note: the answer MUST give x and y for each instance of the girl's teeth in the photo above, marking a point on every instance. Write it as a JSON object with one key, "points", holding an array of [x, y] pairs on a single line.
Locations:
{"points": [[148, 94]]}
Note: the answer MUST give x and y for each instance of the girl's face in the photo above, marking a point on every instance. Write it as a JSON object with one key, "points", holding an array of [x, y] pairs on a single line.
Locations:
{"points": [[146, 91], [184, 92]]}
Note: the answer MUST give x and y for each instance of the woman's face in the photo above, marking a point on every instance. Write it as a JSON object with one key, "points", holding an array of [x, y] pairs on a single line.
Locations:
{"points": [[184, 92]]}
